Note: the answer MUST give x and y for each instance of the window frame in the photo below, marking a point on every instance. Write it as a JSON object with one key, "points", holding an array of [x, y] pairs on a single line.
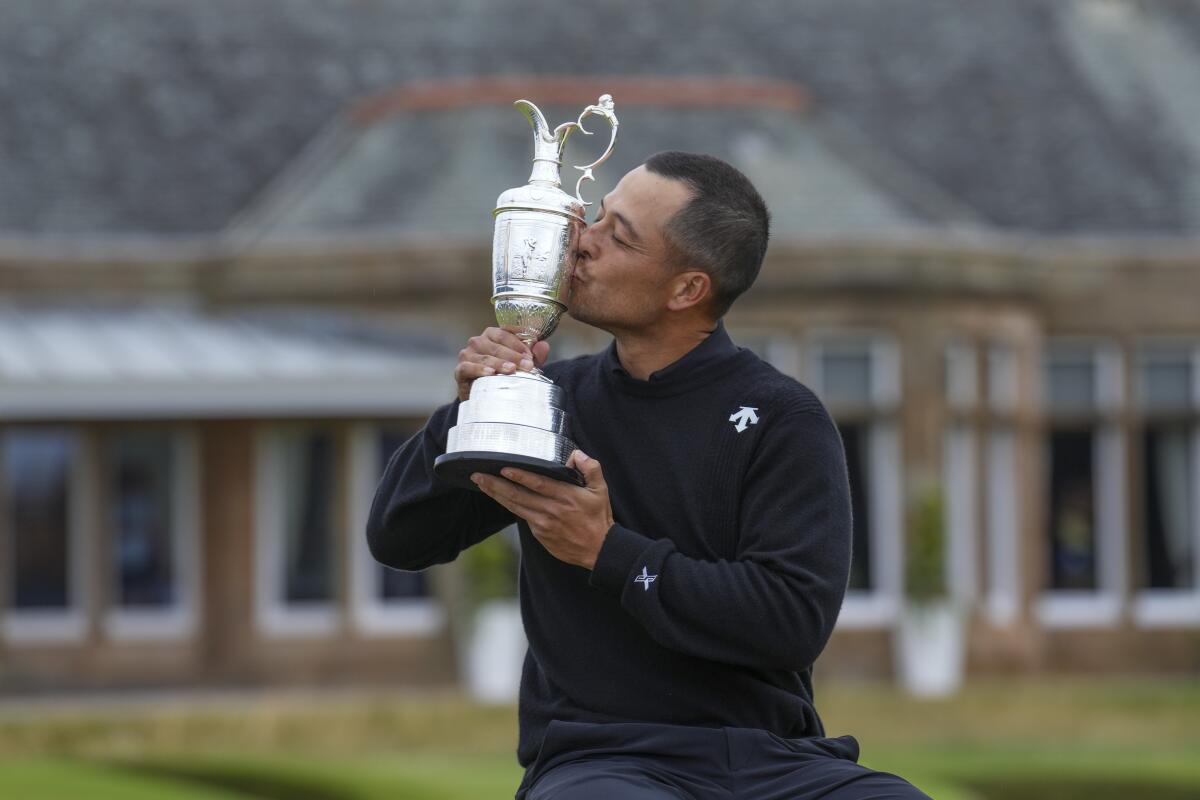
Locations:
{"points": [[71, 624], [370, 614], [275, 617], [180, 620], [1102, 607], [880, 606], [1171, 608]]}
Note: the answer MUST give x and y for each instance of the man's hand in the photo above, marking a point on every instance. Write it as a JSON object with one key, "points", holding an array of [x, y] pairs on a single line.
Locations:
{"points": [[570, 521], [495, 351]]}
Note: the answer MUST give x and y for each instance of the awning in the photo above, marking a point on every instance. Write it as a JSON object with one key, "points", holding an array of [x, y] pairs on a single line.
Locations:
{"points": [[66, 363]]}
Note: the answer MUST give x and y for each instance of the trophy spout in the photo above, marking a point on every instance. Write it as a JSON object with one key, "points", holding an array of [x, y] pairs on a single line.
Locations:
{"points": [[547, 146]]}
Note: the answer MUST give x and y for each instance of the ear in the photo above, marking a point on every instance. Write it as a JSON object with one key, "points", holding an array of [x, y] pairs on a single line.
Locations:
{"points": [[689, 289]]}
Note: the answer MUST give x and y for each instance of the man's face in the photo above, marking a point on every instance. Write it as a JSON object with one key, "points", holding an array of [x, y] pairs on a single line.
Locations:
{"points": [[623, 274]]}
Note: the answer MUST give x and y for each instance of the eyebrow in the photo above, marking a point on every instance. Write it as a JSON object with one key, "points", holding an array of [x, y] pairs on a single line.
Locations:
{"points": [[621, 218]]}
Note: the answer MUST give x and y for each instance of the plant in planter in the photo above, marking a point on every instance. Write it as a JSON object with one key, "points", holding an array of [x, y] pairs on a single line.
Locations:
{"points": [[495, 647], [930, 639]]}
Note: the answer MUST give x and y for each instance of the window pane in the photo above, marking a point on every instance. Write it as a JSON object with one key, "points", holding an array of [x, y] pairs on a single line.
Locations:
{"points": [[140, 520], [855, 438], [1072, 524], [846, 374], [37, 478], [397, 584], [1170, 542], [1165, 381], [308, 507], [1072, 382]]}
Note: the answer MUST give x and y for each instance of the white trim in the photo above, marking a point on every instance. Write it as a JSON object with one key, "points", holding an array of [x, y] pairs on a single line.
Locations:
{"points": [[1163, 608], [276, 619], [883, 363], [1002, 378], [1110, 378], [1003, 594], [38, 626], [962, 376], [180, 620], [885, 372], [961, 498], [880, 606], [370, 614], [1076, 608]]}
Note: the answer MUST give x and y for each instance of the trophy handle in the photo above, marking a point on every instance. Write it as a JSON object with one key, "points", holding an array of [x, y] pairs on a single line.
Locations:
{"points": [[603, 108]]}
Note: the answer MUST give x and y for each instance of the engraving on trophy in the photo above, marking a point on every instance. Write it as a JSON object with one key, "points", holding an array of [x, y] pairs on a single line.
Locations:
{"points": [[526, 258]]}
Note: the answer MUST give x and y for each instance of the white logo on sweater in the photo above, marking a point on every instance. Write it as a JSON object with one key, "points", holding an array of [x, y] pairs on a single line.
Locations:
{"points": [[742, 416], [645, 579]]}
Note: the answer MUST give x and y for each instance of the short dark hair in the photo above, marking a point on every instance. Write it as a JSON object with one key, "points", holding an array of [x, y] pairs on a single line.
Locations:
{"points": [[723, 229]]}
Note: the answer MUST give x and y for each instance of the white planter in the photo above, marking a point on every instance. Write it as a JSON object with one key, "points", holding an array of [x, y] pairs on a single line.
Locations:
{"points": [[495, 652], [930, 649]]}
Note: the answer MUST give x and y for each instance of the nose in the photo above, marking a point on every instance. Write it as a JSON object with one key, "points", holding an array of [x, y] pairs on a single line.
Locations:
{"points": [[585, 244]]}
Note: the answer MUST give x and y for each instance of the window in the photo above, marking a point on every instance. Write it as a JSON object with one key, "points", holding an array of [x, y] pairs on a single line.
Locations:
{"points": [[386, 602], [152, 521], [1084, 530], [857, 377], [1168, 398], [42, 497], [298, 533]]}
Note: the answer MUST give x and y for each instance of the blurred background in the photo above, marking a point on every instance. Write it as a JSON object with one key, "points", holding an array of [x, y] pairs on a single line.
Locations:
{"points": [[242, 243]]}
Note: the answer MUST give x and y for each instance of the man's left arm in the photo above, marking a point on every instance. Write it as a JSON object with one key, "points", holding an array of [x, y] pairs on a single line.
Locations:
{"points": [[773, 606]]}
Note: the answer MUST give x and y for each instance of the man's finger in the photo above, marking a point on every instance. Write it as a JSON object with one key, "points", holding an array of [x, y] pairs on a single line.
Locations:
{"points": [[541, 351], [538, 484], [593, 475], [502, 487], [502, 492]]}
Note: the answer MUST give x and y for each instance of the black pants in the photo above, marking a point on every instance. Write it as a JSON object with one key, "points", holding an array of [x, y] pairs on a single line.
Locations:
{"points": [[626, 761]]}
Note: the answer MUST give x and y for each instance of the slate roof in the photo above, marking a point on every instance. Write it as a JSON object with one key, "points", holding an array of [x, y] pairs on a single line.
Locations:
{"points": [[428, 163], [171, 118]]}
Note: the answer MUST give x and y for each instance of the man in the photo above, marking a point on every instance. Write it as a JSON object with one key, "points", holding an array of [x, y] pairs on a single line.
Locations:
{"points": [[674, 604]]}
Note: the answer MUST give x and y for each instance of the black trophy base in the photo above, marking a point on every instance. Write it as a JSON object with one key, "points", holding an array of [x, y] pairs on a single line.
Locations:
{"points": [[457, 468]]}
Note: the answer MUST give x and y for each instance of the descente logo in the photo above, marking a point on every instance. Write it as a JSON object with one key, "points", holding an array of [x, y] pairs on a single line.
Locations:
{"points": [[645, 579]]}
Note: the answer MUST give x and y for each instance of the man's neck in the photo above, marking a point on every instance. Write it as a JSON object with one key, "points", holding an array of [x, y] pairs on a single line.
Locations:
{"points": [[643, 353]]}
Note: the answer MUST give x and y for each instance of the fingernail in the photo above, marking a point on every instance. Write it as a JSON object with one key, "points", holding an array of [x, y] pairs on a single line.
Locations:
{"points": [[508, 366], [508, 473], [526, 364], [489, 371], [475, 478]]}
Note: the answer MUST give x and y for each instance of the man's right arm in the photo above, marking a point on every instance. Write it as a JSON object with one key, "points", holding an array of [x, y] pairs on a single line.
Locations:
{"points": [[418, 520]]}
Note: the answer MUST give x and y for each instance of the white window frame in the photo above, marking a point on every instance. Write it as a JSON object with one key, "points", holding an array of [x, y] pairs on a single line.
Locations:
{"points": [[181, 618], [275, 618], [370, 614], [1178, 608], [1101, 608], [34, 627], [782, 350], [1002, 602], [878, 607], [960, 488]]}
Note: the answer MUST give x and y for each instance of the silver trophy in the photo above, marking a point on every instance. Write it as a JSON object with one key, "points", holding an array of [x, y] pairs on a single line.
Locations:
{"points": [[518, 420]]}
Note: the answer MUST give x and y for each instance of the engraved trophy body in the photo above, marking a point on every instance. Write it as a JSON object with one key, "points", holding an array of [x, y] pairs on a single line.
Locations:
{"points": [[518, 420]]}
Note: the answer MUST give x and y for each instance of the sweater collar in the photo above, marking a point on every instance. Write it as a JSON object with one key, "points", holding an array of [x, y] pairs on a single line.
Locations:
{"points": [[693, 368]]}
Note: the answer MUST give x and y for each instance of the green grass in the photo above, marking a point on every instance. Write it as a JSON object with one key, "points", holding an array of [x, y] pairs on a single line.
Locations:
{"points": [[1003, 740]]}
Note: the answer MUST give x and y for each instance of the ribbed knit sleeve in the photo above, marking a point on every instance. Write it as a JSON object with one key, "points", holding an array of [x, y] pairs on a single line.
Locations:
{"points": [[416, 520], [774, 605]]}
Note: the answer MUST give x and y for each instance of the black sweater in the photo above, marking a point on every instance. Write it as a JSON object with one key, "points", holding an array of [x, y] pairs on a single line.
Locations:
{"points": [[722, 578]]}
